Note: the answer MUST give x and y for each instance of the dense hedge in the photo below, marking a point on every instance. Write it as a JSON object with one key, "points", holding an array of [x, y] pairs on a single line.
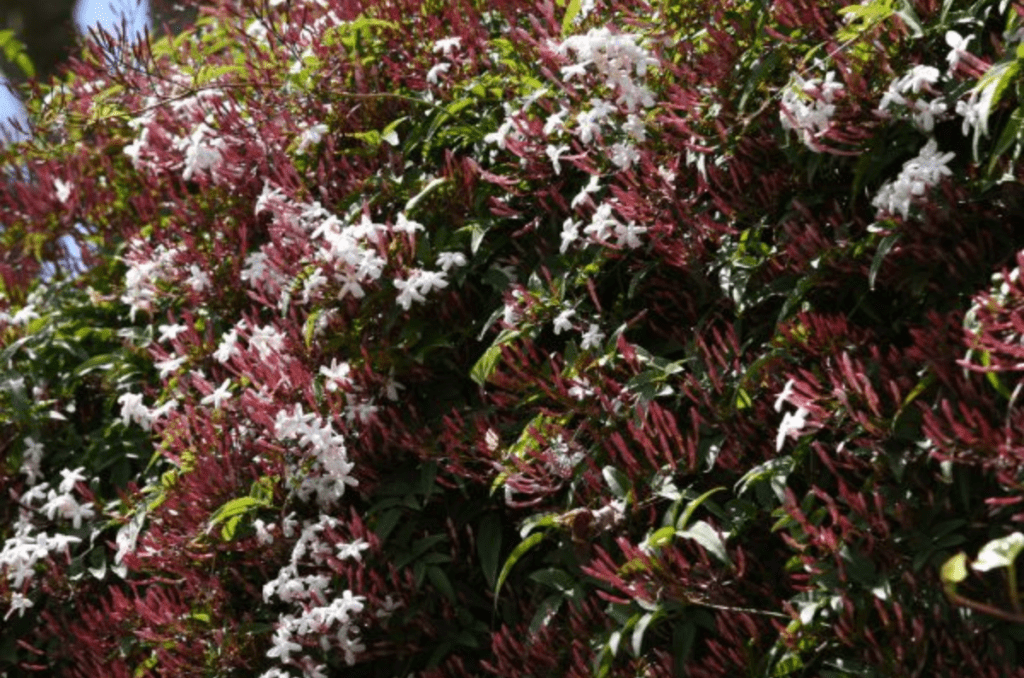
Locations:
{"points": [[507, 338]]}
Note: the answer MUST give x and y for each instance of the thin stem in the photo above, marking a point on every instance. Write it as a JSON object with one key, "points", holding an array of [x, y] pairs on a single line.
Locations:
{"points": [[1011, 573]]}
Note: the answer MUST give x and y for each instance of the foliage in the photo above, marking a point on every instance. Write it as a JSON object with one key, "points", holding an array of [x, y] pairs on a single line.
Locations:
{"points": [[519, 339]]}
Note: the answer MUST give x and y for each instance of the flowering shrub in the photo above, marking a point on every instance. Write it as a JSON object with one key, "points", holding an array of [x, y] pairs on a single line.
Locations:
{"points": [[516, 338]]}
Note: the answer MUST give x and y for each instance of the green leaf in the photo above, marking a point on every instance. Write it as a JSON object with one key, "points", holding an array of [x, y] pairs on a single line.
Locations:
{"points": [[774, 471], [637, 641], [426, 191], [547, 609], [555, 578], [661, 537], [15, 52], [683, 636], [571, 12], [1011, 134], [488, 546], [884, 247], [986, 360], [488, 362], [618, 482], [227, 531], [441, 582], [709, 538], [517, 553], [232, 512], [692, 506], [787, 665]]}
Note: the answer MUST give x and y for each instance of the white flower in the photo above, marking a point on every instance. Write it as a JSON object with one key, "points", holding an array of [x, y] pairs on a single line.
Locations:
{"points": [[929, 164], [62, 190], [198, 279], [999, 552], [392, 386], [263, 535], [70, 478], [222, 393], [438, 69], [581, 388], [635, 128], [792, 422], [310, 137], [627, 235], [891, 96], [973, 113], [807, 106], [201, 154], [624, 155], [170, 332], [312, 283], [79, 511], [602, 225], [266, 340], [925, 113], [337, 375], [593, 337], [133, 410], [19, 604], [958, 45], [227, 347], [169, 366], [555, 153], [418, 283], [353, 550], [350, 285], [283, 645], [562, 322], [32, 457], [919, 77], [977, 107], [447, 260], [593, 186], [784, 395], [570, 233], [555, 122], [498, 138], [407, 293], [405, 225], [446, 45], [275, 672], [25, 315], [65, 506]]}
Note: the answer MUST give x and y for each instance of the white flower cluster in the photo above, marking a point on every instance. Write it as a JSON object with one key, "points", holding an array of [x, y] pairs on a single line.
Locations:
{"points": [[917, 176], [617, 58], [26, 548], [923, 113], [602, 228], [417, 284], [333, 471], [347, 252], [619, 63], [135, 411], [325, 617], [144, 273], [808, 106], [793, 423], [199, 151], [202, 151]]}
